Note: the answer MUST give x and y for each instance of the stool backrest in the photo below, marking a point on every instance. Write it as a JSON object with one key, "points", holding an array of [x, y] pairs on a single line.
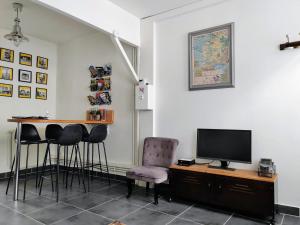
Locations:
{"points": [[29, 133], [71, 135], [98, 133], [159, 151], [53, 131], [85, 133]]}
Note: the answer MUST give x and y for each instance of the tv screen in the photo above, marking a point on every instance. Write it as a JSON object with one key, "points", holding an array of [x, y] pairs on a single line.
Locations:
{"points": [[224, 145]]}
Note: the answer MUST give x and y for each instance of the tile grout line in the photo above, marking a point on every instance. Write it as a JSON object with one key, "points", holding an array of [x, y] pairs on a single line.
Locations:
{"points": [[76, 214], [180, 214], [228, 219], [282, 220], [28, 217], [122, 217]]}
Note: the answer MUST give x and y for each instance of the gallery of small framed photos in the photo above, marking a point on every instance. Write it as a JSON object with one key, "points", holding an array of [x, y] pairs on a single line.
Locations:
{"points": [[24, 75]]}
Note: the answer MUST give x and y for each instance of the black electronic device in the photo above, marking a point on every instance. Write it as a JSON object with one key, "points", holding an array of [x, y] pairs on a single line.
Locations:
{"points": [[186, 162], [224, 145]]}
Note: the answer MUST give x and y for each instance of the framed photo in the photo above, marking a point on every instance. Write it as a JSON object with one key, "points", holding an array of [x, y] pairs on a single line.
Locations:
{"points": [[41, 78], [6, 90], [42, 63], [6, 55], [41, 93], [25, 76], [211, 58], [24, 92], [6, 73], [25, 59]]}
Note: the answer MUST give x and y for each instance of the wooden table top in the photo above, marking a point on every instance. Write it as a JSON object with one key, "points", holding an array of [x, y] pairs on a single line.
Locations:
{"points": [[239, 173], [19, 120]]}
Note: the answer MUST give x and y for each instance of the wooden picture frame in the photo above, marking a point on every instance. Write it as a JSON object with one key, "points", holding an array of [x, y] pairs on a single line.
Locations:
{"points": [[24, 91], [25, 59], [6, 73], [6, 90], [41, 93], [7, 55], [25, 76], [211, 58], [42, 62], [41, 78]]}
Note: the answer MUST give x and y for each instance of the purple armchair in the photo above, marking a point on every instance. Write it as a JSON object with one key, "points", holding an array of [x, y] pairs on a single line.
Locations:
{"points": [[158, 155]]}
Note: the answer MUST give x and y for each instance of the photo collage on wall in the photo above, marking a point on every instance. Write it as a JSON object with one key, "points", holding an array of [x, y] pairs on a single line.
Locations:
{"points": [[24, 75], [100, 85]]}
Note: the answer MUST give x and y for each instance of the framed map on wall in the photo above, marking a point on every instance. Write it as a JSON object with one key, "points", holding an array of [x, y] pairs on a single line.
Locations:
{"points": [[211, 58]]}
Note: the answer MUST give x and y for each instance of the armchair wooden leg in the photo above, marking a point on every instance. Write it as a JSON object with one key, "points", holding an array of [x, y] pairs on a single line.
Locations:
{"points": [[129, 185], [156, 192], [170, 197], [147, 188]]}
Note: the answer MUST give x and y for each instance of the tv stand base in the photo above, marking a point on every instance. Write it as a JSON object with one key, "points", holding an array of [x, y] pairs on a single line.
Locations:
{"points": [[221, 168]]}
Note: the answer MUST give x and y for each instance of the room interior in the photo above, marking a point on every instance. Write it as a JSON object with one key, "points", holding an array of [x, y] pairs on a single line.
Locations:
{"points": [[129, 69]]}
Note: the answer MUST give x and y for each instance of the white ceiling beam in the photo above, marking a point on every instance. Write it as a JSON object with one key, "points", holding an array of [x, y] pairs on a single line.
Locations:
{"points": [[99, 14]]}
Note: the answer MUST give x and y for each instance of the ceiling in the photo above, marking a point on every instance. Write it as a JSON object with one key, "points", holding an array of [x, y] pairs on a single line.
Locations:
{"points": [[41, 22], [145, 8]]}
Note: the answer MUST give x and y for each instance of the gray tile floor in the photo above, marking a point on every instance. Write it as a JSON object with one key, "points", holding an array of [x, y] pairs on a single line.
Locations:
{"points": [[104, 204]]}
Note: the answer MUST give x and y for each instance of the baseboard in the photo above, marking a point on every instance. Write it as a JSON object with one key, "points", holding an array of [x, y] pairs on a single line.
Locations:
{"points": [[30, 171], [288, 210], [22, 172]]}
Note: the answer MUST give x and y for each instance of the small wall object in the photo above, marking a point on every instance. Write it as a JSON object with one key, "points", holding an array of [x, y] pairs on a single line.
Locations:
{"points": [[42, 63], [41, 93], [144, 96], [6, 73], [24, 92], [41, 78], [6, 55], [25, 76], [25, 59], [101, 98], [102, 84], [289, 45], [6, 90], [100, 71], [211, 58]]}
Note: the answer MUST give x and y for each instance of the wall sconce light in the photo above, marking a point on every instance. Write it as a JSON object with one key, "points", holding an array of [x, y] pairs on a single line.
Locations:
{"points": [[289, 45]]}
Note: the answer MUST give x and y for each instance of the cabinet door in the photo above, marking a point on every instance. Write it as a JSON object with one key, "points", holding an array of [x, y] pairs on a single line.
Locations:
{"points": [[244, 196], [191, 186]]}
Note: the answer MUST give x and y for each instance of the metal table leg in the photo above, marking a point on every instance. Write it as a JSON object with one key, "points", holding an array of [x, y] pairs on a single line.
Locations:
{"points": [[17, 167]]}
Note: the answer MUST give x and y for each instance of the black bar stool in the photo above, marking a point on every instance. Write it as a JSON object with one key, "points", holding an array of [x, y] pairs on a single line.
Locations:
{"points": [[70, 136], [29, 136], [97, 135], [53, 132]]}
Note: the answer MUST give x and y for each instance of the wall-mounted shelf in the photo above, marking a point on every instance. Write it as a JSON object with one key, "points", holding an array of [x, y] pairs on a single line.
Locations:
{"points": [[104, 116]]}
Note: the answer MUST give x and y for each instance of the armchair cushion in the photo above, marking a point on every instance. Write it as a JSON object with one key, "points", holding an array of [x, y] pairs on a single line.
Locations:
{"points": [[150, 174]]}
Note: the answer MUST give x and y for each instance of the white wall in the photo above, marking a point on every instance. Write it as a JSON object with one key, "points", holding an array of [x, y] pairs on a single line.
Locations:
{"points": [[73, 88], [25, 107], [266, 96]]}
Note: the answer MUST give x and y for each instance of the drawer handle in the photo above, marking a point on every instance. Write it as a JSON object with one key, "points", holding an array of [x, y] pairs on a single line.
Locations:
{"points": [[242, 185]]}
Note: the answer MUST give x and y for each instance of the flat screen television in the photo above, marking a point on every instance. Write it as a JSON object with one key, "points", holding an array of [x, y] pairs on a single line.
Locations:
{"points": [[224, 145]]}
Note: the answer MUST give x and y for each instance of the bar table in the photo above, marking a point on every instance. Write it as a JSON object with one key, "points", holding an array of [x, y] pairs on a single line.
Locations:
{"points": [[19, 121]]}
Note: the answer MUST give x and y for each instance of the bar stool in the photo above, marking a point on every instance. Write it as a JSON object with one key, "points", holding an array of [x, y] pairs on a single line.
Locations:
{"points": [[52, 133], [70, 136], [97, 135], [29, 136]]}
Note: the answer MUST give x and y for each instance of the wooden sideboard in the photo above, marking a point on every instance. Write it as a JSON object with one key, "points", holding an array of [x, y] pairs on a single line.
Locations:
{"points": [[239, 191]]}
